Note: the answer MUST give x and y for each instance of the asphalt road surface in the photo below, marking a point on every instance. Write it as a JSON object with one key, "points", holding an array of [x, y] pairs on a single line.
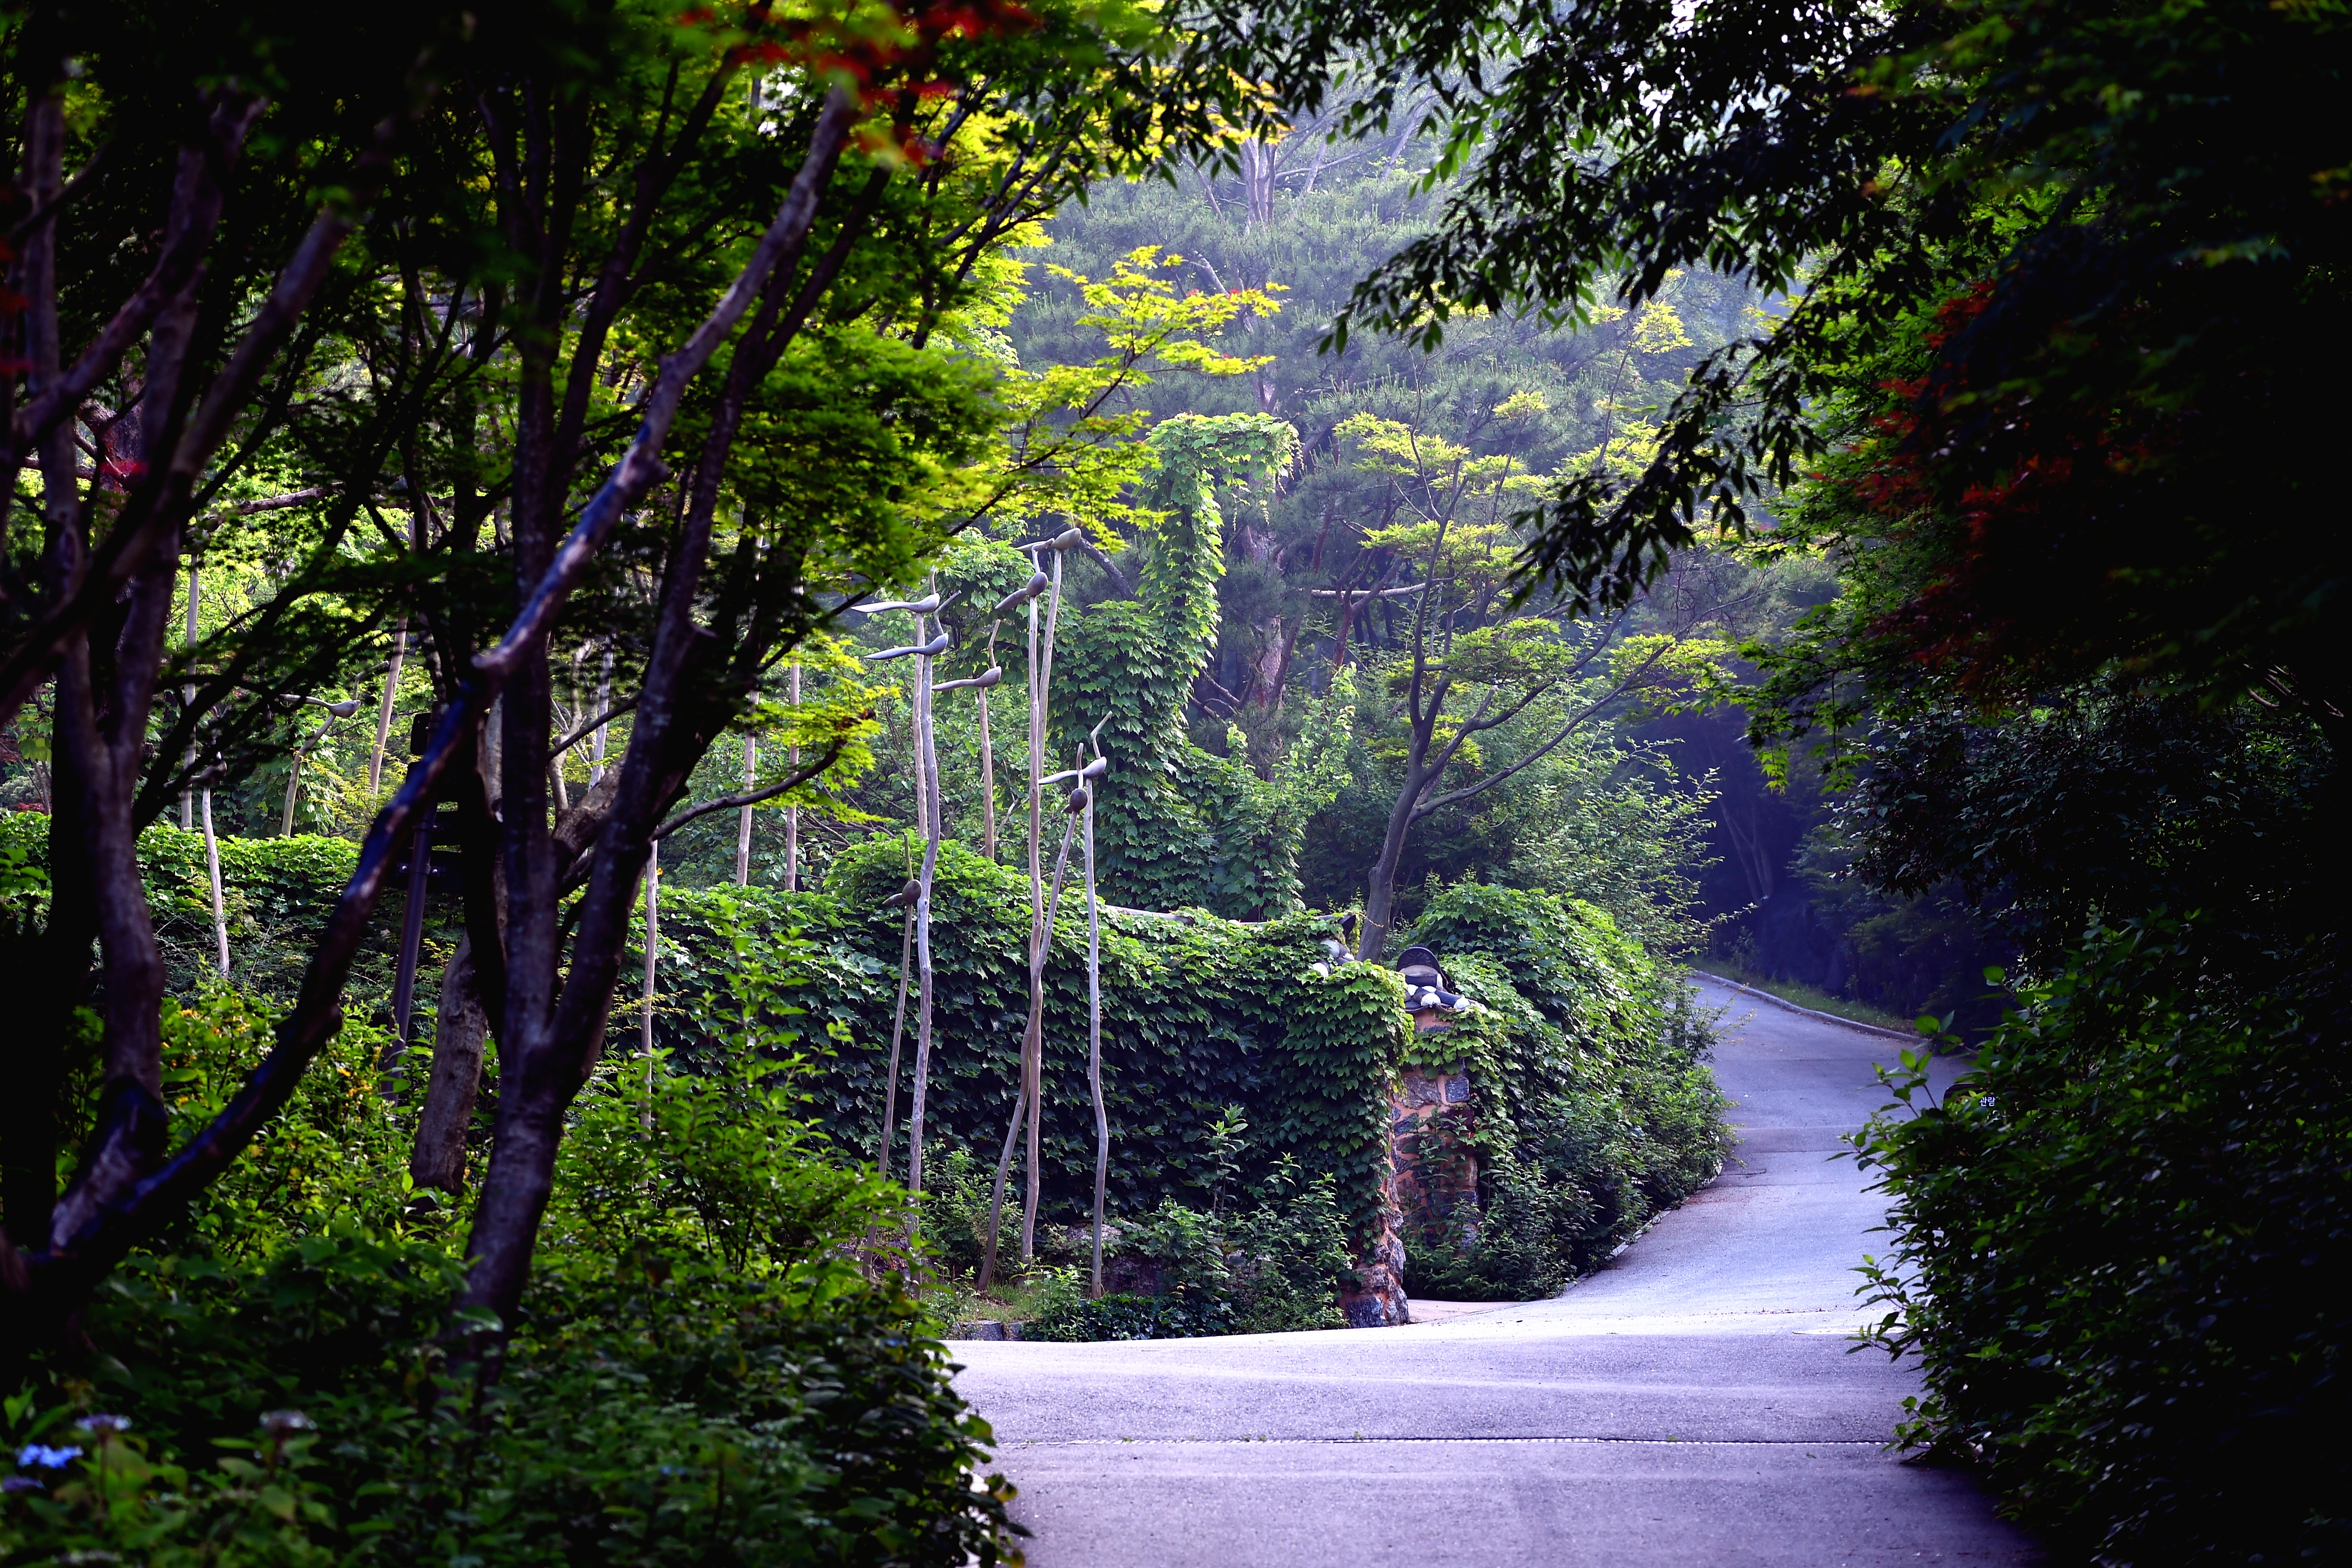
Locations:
{"points": [[1692, 1404]]}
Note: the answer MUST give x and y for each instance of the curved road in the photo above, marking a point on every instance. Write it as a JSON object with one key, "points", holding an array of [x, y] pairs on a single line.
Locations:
{"points": [[1692, 1404]]}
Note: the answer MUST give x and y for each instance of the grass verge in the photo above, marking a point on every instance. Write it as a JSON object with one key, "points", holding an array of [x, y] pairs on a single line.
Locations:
{"points": [[1799, 995]]}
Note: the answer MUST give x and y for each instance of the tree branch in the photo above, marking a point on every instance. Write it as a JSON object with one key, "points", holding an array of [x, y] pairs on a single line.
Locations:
{"points": [[793, 779], [72, 1264], [162, 498]]}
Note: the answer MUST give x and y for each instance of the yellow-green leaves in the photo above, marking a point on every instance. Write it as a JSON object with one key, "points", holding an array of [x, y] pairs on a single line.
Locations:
{"points": [[1661, 674], [1198, 452], [1065, 451], [1521, 653], [1657, 329]]}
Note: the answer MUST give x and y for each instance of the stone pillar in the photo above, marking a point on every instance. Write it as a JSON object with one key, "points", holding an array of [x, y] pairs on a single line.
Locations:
{"points": [[1434, 1171], [1376, 1298]]}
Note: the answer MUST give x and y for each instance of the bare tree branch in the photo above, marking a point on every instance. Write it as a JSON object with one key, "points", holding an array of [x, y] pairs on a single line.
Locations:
{"points": [[793, 779]]}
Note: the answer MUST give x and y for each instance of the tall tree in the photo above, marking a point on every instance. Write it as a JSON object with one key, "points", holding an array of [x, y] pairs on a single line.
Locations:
{"points": [[663, 376], [1468, 666]]}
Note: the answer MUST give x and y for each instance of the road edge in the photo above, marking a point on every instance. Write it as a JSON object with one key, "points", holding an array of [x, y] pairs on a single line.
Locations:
{"points": [[1788, 1006]]}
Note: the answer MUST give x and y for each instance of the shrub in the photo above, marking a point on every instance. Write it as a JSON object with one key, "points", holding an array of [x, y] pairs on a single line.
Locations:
{"points": [[955, 1211], [2119, 1250], [1595, 1109], [1516, 1246], [1269, 1268], [665, 1413], [719, 1361], [276, 894]]}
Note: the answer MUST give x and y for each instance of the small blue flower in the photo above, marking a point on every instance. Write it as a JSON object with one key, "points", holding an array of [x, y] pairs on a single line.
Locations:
{"points": [[14, 1484], [37, 1455]]}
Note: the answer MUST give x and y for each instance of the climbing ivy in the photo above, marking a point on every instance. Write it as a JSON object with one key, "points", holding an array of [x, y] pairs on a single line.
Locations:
{"points": [[1197, 1017], [1594, 1108], [277, 892], [1178, 826]]}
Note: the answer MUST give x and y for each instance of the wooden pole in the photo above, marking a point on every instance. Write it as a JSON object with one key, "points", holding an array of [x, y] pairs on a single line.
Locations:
{"points": [[412, 927], [898, 1029], [212, 866], [604, 703], [416, 512], [743, 822], [653, 960], [1004, 1160], [1033, 1044], [928, 765], [383, 709], [1094, 1040], [996, 1196], [988, 764], [188, 701], [212, 841], [793, 813]]}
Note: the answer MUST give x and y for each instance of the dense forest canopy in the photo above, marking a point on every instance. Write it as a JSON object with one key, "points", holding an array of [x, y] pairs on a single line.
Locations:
{"points": [[1841, 490]]}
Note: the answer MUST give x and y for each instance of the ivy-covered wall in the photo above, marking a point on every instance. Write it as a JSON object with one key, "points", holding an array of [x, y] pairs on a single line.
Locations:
{"points": [[1179, 825], [1196, 1018], [277, 893], [1595, 1109]]}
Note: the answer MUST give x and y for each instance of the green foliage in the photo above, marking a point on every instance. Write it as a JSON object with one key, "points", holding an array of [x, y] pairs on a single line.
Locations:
{"points": [[2112, 1248], [275, 891], [664, 1164], [335, 1161], [1595, 1109], [1198, 1016], [718, 1363], [1124, 1315], [653, 1415], [956, 1186], [1178, 826], [1273, 1268]]}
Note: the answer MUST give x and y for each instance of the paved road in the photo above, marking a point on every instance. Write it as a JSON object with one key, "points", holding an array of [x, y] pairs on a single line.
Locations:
{"points": [[1693, 1404]]}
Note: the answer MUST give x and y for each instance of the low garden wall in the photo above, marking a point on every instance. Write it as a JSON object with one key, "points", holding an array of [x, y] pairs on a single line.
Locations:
{"points": [[1495, 1158], [1585, 1105]]}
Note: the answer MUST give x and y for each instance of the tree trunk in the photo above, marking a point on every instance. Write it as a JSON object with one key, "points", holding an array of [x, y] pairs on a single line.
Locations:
{"points": [[211, 871], [987, 785], [1094, 1047], [743, 824], [1041, 920], [793, 813], [927, 783], [383, 709], [898, 1032], [438, 1158], [1379, 883]]}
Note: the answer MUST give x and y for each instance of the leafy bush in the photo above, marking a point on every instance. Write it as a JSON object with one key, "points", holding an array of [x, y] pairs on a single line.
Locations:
{"points": [[1595, 1109], [2120, 1248], [719, 1361], [275, 891], [665, 1413], [1182, 1316], [1196, 1018], [1518, 1245], [1272, 1268], [955, 1211]]}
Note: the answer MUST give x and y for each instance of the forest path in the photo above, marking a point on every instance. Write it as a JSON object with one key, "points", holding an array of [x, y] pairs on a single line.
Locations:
{"points": [[1692, 1404]]}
